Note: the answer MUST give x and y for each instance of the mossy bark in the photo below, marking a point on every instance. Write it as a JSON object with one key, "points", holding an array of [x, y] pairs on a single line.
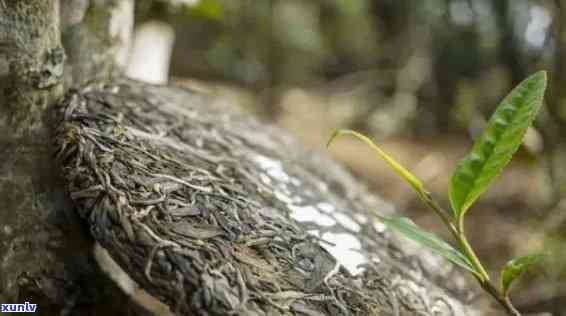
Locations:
{"points": [[46, 257]]}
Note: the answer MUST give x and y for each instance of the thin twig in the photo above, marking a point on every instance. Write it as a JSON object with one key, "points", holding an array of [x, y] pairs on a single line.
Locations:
{"points": [[459, 234]]}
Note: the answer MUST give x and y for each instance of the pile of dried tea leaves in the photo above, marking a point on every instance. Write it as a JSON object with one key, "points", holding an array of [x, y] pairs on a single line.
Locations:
{"points": [[198, 203]]}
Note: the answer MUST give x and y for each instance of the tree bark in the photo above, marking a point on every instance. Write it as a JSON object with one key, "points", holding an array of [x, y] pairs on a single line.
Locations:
{"points": [[97, 35], [45, 254]]}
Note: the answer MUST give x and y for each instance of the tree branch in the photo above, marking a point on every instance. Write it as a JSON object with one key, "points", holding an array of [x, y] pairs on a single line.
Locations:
{"points": [[97, 37]]}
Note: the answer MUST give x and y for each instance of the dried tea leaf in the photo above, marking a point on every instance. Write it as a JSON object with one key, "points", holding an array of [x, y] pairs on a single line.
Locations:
{"points": [[197, 232]]}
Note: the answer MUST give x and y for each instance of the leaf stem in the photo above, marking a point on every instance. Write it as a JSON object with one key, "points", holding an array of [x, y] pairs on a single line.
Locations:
{"points": [[509, 307], [503, 300], [459, 234], [433, 205], [469, 252]]}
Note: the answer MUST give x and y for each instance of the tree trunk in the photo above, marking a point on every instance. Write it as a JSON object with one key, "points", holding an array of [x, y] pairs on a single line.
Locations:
{"points": [[96, 36], [45, 254]]}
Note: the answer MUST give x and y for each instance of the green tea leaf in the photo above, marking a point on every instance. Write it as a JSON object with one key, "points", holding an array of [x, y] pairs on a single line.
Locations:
{"points": [[408, 229], [415, 183], [493, 150], [515, 268]]}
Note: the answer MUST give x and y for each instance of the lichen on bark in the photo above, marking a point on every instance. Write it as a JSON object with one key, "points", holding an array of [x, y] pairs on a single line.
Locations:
{"points": [[35, 57], [46, 257]]}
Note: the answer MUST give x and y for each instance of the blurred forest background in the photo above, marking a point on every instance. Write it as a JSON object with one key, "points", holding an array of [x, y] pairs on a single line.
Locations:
{"points": [[419, 77]]}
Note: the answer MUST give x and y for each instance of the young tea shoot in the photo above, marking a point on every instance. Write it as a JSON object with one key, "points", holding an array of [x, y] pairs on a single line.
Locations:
{"points": [[473, 176]]}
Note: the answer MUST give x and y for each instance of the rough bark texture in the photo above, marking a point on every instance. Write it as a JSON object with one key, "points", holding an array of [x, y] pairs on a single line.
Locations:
{"points": [[45, 255], [96, 36], [200, 205]]}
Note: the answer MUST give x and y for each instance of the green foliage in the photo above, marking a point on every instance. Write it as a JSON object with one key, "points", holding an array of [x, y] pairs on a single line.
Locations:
{"points": [[472, 177], [410, 230], [515, 268], [491, 152]]}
